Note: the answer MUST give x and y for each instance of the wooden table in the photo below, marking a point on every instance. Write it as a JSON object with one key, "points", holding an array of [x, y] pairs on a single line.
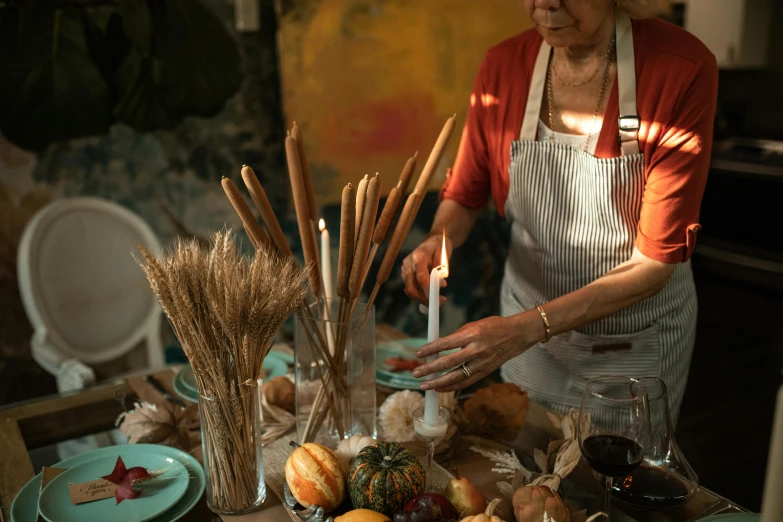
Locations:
{"points": [[50, 420]]}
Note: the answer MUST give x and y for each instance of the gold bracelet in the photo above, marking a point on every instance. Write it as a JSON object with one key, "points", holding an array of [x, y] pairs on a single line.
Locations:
{"points": [[547, 329]]}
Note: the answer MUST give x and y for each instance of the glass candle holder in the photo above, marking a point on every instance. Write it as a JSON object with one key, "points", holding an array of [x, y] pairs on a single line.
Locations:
{"points": [[431, 433], [334, 371]]}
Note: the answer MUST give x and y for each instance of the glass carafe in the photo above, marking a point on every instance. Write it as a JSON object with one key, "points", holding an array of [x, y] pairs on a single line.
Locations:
{"points": [[664, 480]]}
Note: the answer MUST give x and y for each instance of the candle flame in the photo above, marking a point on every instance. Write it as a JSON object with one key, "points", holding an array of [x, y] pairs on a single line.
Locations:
{"points": [[321, 224], [444, 258]]}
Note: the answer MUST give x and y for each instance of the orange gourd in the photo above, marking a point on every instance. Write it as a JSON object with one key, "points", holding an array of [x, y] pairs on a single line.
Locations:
{"points": [[486, 516], [315, 476], [362, 515]]}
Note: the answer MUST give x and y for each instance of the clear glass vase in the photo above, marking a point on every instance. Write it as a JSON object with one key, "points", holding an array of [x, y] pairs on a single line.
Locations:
{"points": [[664, 480], [231, 444], [334, 348]]}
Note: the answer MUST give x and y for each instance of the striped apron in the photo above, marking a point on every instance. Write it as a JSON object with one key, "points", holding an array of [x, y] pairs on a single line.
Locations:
{"points": [[574, 217]]}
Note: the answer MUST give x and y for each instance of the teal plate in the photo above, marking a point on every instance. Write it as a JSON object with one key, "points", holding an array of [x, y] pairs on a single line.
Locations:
{"points": [[274, 366], [25, 506], [182, 390], [286, 357], [406, 349], [157, 495]]}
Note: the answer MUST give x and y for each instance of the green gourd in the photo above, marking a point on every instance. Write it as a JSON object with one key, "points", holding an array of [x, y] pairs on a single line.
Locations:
{"points": [[384, 478]]}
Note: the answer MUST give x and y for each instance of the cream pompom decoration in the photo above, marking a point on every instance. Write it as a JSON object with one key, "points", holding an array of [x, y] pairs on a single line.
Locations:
{"points": [[396, 415]]}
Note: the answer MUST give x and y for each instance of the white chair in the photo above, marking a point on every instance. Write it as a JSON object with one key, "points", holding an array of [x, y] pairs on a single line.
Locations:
{"points": [[86, 297]]}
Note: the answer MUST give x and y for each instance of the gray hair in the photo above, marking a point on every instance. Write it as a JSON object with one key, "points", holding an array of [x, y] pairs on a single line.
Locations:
{"points": [[640, 8]]}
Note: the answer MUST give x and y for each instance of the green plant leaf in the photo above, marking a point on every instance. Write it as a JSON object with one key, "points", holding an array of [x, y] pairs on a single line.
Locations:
{"points": [[51, 89], [194, 68], [137, 24]]}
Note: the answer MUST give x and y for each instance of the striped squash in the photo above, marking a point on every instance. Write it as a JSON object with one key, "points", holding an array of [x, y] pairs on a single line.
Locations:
{"points": [[315, 476], [384, 478]]}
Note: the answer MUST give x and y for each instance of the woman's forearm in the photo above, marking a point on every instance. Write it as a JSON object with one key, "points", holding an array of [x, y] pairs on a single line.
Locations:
{"points": [[457, 220], [627, 284]]}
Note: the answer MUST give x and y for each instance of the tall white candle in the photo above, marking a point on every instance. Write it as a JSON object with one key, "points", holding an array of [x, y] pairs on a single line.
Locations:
{"points": [[326, 261], [772, 503], [326, 282], [431, 397]]}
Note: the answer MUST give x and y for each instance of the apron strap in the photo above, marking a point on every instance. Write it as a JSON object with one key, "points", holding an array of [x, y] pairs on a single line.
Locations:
{"points": [[535, 95], [629, 121]]}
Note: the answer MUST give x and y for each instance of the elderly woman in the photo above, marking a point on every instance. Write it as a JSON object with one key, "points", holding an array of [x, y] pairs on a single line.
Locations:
{"points": [[592, 133]]}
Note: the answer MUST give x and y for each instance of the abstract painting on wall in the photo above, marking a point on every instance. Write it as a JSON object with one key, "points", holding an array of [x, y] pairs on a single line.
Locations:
{"points": [[370, 82]]}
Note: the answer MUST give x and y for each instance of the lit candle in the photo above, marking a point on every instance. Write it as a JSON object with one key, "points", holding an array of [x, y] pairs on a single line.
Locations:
{"points": [[772, 503], [431, 397], [326, 261], [326, 282]]}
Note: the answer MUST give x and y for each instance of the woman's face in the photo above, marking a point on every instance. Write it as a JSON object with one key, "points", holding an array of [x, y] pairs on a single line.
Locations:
{"points": [[568, 23]]}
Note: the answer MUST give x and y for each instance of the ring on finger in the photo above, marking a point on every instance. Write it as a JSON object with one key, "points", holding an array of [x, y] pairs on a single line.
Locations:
{"points": [[466, 371]]}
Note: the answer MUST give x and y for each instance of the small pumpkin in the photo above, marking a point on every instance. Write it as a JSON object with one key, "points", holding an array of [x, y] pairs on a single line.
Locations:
{"points": [[281, 392], [347, 449], [362, 515], [487, 515], [315, 476], [384, 478], [531, 502]]}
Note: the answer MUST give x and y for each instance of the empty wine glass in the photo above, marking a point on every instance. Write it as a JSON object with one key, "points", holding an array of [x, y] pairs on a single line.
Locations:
{"points": [[613, 428]]}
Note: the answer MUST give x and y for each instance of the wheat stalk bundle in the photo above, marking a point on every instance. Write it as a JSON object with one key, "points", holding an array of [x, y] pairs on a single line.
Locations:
{"points": [[226, 308]]}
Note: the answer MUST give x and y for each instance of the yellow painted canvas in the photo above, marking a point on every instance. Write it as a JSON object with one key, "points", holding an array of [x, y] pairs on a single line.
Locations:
{"points": [[372, 81]]}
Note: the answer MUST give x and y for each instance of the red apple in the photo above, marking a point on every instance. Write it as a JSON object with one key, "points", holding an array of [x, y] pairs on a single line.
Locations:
{"points": [[447, 509]]}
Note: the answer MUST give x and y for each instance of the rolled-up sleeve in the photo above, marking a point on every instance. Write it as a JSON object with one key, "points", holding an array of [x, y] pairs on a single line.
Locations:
{"points": [[468, 181], [677, 171]]}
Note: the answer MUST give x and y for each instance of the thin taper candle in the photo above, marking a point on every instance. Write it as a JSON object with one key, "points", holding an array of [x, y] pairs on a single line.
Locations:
{"points": [[326, 261], [432, 397]]}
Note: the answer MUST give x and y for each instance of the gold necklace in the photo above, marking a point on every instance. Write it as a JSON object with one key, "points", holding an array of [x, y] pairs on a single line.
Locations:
{"points": [[590, 78], [550, 98]]}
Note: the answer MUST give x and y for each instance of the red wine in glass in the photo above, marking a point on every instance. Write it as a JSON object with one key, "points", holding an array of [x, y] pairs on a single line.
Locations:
{"points": [[612, 455], [613, 428]]}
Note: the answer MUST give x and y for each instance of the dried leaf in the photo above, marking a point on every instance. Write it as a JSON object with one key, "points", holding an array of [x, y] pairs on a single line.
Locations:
{"points": [[506, 490], [520, 479], [164, 424], [118, 474], [567, 458], [541, 460], [496, 412]]}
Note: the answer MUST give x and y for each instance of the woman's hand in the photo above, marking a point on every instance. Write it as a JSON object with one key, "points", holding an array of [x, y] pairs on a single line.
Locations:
{"points": [[417, 266], [486, 344]]}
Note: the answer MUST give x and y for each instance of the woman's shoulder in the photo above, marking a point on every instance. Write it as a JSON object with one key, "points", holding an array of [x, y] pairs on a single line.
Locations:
{"points": [[656, 39]]}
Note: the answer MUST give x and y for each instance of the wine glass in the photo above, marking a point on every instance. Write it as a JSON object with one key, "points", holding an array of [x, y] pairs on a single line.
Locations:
{"points": [[665, 479], [613, 428]]}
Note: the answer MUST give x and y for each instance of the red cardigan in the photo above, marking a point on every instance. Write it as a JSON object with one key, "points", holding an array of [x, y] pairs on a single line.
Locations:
{"points": [[676, 83]]}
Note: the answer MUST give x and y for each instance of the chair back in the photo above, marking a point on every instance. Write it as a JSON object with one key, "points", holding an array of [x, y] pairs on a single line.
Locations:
{"points": [[81, 285]]}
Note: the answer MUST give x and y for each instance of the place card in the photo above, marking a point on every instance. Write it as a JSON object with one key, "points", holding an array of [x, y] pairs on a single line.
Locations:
{"points": [[91, 491]]}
